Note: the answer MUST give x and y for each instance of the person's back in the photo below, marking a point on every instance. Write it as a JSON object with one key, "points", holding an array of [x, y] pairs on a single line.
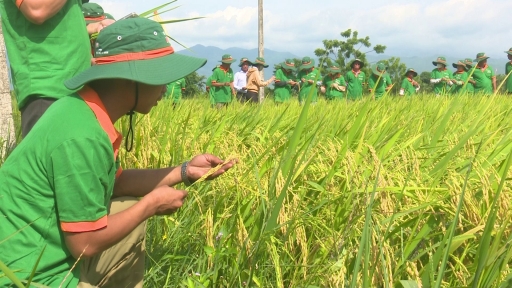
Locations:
{"points": [[43, 55]]}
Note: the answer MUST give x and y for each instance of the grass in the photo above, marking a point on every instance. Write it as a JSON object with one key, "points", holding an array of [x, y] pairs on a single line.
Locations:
{"points": [[390, 193]]}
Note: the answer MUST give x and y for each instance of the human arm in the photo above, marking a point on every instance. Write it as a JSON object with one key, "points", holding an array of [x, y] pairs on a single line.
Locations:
{"points": [[39, 11], [494, 83], [98, 26], [237, 81]]}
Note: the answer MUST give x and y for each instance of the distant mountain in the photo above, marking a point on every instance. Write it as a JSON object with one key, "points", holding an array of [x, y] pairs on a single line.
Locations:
{"points": [[214, 55]]}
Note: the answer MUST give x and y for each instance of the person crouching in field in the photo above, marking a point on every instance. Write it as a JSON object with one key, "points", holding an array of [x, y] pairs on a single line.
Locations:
{"points": [[508, 71], [484, 75], [284, 81], [355, 80], [222, 82], [64, 195], [174, 91], [441, 77], [308, 77], [254, 82], [409, 86], [376, 81], [333, 83], [459, 78], [387, 78], [470, 87]]}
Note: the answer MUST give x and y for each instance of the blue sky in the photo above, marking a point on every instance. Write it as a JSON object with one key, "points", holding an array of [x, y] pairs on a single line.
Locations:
{"points": [[458, 28]]}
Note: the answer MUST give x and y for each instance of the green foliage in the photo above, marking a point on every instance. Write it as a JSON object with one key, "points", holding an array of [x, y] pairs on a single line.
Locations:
{"points": [[195, 85], [396, 71], [424, 80]]}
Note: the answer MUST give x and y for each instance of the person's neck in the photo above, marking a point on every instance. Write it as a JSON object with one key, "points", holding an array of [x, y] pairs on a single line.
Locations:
{"points": [[115, 99]]}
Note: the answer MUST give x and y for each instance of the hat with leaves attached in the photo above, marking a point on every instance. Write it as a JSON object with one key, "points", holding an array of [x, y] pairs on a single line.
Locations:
{"points": [[439, 60], [481, 57]]}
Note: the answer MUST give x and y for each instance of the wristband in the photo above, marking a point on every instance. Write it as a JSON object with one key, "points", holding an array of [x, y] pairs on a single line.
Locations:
{"points": [[184, 176]]}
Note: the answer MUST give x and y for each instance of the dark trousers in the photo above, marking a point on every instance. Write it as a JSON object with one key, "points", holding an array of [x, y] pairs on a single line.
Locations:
{"points": [[252, 96], [32, 111]]}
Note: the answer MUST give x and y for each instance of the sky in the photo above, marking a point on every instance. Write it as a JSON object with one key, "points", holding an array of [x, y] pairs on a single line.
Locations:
{"points": [[450, 28]]}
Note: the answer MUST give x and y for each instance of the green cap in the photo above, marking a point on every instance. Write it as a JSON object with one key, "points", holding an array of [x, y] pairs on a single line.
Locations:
{"points": [[260, 61], [288, 64], [410, 70], [334, 68], [243, 60], [439, 60], [379, 69], [135, 49], [480, 57], [460, 62], [468, 62], [92, 12], [307, 63], [509, 52], [361, 63], [226, 58]]}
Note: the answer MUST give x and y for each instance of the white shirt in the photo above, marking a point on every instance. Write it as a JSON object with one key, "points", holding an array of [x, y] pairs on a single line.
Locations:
{"points": [[240, 81]]}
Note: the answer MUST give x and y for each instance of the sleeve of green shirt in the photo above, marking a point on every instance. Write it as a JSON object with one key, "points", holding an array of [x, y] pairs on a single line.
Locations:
{"points": [[216, 75], [493, 74], [341, 81], [183, 83], [371, 83], [81, 177], [404, 83]]}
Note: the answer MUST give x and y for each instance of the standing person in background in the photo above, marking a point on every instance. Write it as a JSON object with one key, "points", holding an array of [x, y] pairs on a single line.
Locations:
{"points": [[175, 90], [47, 43], [470, 86], [377, 81], [355, 79], [254, 82], [409, 86], [95, 17], [333, 83], [222, 82], [441, 77], [308, 77], [508, 70], [240, 81], [387, 78], [284, 81], [484, 75], [459, 78]]}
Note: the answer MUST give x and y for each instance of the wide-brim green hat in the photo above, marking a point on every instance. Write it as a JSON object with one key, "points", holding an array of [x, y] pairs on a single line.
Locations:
{"points": [[333, 69], [226, 58], [481, 57], [92, 12], [361, 63], [135, 49], [307, 63], [410, 70], [509, 52], [289, 65], [243, 60], [468, 62], [460, 62], [379, 69], [439, 60], [260, 61]]}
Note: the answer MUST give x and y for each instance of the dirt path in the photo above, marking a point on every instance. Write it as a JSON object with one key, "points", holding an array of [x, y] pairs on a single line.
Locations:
{"points": [[6, 122]]}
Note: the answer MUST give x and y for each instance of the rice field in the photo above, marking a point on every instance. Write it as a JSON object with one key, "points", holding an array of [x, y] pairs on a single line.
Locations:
{"points": [[390, 193]]}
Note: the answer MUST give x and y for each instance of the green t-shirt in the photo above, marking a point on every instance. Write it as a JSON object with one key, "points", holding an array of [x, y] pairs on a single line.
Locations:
{"points": [[174, 90], [387, 80], [61, 175], [379, 84], [332, 93], [355, 84], [282, 93], [222, 94], [460, 79], [43, 56], [409, 89], [441, 87], [508, 68], [483, 79], [307, 88], [210, 90]]}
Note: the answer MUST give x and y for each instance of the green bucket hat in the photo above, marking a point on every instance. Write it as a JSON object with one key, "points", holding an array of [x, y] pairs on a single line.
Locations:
{"points": [[307, 63], [384, 63], [334, 68], [509, 52], [480, 57], [260, 61], [92, 13], [439, 60], [244, 59], [108, 16], [135, 49], [460, 62], [288, 64], [411, 70], [468, 62], [361, 63], [226, 58], [379, 69]]}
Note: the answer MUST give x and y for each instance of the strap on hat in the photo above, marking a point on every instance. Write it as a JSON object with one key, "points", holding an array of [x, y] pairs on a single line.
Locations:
{"points": [[129, 136]]}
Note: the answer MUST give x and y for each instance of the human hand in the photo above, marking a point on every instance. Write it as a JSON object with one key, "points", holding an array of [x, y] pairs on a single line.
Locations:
{"points": [[98, 26], [166, 200], [202, 164], [303, 80], [311, 81]]}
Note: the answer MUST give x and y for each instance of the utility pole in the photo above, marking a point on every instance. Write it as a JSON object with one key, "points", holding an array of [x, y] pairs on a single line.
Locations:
{"points": [[260, 46]]}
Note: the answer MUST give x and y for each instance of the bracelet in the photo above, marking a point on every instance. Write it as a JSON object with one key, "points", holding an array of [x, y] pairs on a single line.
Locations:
{"points": [[184, 176]]}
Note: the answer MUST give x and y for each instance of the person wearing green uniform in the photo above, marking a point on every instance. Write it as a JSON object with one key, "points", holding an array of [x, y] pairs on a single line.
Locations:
{"points": [[484, 75], [209, 89], [355, 80], [387, 78], [508, 71], [470, 87], [47, 42], [308, 78], [460, 76], [284, 81], [222, 82], [334, 83], [409, 86], [64, 196], [377, 81], [441, 77], [174, 90]]}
